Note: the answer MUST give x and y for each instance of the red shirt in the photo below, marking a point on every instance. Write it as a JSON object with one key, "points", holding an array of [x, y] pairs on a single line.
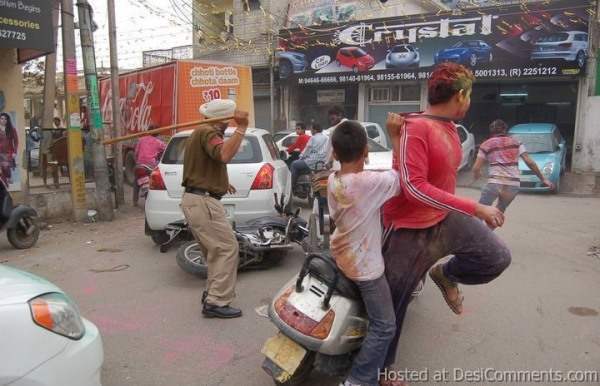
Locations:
{"points": [[430, 153], [300, 143]]}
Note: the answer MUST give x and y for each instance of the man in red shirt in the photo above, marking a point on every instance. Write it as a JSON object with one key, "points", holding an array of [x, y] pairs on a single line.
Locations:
{"points": [[301, 140], [427, 221]]}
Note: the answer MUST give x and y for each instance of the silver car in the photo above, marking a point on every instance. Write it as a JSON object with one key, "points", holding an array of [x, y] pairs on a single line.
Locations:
{"points": [[571, 46], [402, 56]]}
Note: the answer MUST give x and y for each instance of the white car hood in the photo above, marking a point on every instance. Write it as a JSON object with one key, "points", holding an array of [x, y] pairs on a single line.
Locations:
{"points": [[20, 286], [380, 160]]}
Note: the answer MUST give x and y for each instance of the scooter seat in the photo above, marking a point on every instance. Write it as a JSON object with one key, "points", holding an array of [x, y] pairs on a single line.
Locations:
{"points": [[326, 272]]}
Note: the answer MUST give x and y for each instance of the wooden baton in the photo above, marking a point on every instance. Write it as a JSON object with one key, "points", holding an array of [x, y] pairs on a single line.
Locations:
{"points": [[166, 128]]}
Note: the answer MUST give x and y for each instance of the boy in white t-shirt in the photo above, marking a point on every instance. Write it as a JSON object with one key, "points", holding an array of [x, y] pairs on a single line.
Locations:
{"points": [[355, 197]]}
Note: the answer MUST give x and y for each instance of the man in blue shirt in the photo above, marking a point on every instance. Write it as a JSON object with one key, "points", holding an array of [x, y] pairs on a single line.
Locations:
{"points": [[316, 151]]}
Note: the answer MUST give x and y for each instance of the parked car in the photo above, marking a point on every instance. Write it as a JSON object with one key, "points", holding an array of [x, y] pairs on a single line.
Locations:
{"points": [[374, 132], [468, 52], [467, 141], [256, 172], [45, 341], [285, 138], [380, 157], [571, 46], [290, 63], [356, 58], [402, 56], [547, 147]]}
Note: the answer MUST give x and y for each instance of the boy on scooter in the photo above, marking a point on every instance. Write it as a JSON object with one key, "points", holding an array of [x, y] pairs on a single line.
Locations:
{"points": [[355, 197]]}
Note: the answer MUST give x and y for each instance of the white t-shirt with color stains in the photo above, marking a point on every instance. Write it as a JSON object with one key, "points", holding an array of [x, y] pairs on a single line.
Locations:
{"points": [[354, 203]]}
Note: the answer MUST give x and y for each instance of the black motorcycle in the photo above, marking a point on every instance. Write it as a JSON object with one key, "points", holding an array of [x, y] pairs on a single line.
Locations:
{"points": [[262, 241], [19, 221]]}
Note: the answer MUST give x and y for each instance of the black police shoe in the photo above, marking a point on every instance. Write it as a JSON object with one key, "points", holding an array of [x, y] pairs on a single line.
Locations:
{"points": [[225, 312], [204, 295]]}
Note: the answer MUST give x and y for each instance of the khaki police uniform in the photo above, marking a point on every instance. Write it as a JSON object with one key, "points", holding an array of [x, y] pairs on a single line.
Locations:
{"points": [[205, 180]]}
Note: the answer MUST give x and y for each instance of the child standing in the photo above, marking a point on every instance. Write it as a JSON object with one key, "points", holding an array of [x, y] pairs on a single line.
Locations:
{"points": [[355, 197]]}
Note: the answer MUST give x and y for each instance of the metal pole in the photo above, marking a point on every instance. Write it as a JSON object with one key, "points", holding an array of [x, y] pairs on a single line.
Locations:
{"points": [[103, 189], [272, 83], [116, 111], [73, 118]]}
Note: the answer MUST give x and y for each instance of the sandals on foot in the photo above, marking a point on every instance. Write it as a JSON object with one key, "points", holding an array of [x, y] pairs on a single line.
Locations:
{"points": [[436, 274]]}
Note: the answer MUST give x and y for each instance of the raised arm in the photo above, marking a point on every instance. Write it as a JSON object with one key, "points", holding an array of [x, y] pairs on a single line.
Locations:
{"points": [[231, 146]]}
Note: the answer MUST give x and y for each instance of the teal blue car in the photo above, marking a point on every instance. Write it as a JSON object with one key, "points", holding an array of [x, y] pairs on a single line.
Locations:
{"points": [[547, 147]]}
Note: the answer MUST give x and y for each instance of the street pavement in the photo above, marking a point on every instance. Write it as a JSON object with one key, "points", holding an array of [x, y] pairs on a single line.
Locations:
{"points": [[542, 313]]}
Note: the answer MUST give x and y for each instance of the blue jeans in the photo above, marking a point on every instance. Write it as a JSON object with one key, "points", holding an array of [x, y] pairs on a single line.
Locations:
{"points": [[504, 193], [299, 167], [381, 331]]}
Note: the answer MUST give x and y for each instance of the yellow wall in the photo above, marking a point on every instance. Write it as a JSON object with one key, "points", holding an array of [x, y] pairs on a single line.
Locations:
{"points": [[11, 84]]}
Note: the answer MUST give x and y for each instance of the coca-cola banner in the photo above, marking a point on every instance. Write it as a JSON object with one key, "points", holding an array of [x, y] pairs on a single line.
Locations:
{"points": [[146, 98], [542, 39]]}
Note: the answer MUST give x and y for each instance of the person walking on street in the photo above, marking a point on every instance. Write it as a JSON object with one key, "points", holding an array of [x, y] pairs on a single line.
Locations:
{"points": [[315, 152], [502, 153], [148, 149], [427, 220], [206, 182]]}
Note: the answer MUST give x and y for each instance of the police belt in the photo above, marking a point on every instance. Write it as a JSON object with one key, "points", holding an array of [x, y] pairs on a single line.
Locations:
{"points": [[203, 192]]}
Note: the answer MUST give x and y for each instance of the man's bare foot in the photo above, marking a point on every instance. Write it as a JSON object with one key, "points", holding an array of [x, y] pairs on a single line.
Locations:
{"points": [[450, 291]]}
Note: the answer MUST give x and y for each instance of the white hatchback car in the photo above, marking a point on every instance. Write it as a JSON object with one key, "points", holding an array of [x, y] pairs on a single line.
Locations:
{"points": [[44, 340], [256, 172]]}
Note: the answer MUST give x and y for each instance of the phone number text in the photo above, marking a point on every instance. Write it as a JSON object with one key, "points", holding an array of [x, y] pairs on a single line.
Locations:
{"points": [[10, 34]]}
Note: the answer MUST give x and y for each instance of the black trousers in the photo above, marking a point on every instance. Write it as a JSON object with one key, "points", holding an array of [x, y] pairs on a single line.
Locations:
{"points": [[479, 257]]}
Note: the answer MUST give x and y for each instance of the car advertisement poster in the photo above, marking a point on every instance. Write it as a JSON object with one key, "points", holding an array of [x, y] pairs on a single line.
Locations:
{"points": [[545, 39]]}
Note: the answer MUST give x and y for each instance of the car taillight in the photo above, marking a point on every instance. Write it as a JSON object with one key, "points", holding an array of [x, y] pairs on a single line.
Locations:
{"points": [[565, 45], [264, 178], [156, 181], [301, 322]]}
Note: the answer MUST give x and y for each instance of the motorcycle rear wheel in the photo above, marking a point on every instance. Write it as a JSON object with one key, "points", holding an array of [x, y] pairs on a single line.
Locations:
{"points": [[18, 236], [192, 260]]}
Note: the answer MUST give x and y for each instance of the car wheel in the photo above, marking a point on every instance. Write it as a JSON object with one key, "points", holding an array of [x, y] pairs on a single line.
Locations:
{"points": [[473, 60], [556, 189], [130, 168], [470, 161], [285, 69], [159, 237], [580, 59], [355, 69]]}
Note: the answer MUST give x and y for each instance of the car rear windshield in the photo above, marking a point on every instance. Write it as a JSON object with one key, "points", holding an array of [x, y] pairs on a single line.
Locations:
{"points": [[358, 53], [249, 152], [537, 142], [559, 37], [401, 49]]}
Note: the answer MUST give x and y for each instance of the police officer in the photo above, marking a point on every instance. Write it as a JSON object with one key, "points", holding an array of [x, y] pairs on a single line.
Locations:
{"points": [[205, 181]]}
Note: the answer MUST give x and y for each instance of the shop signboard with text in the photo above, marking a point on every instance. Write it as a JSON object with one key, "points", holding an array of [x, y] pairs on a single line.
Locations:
{"points": [[542, 40], [199, 82], [26, 24]]}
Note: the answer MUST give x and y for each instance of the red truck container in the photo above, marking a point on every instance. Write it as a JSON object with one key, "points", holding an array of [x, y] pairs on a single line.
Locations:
{"points": [[172, 93]]}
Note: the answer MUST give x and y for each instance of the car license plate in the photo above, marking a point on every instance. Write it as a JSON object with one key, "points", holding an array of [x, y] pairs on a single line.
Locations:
{"points": [[143, 180], [284, 352], [229, 210]]}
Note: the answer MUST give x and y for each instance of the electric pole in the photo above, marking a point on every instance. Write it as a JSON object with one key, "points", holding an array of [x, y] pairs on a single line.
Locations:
{"points": [[73, 114], [116, 109], [103, 188]]}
